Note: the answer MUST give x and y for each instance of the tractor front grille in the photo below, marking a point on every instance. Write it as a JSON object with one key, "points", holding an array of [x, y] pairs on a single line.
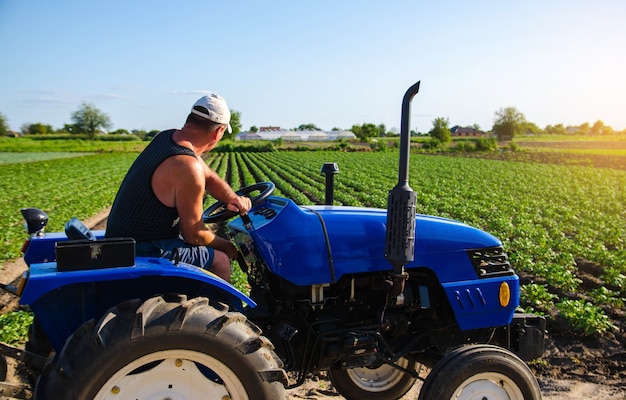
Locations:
{"points": [[490, 262]]}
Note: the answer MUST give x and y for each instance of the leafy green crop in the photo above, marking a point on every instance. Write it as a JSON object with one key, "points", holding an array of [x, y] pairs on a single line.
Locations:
{"points": [[63, 188], [584, 316], [14, 326], [537, 297]]}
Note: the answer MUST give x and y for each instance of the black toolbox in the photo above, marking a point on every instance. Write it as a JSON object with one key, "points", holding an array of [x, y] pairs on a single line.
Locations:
{"points": [[74, 255]]}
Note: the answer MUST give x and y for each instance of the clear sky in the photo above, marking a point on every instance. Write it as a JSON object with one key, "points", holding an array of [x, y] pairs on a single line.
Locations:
{"points": [[330, 63]]}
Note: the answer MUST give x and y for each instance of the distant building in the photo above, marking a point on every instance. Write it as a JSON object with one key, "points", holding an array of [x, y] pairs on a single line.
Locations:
{"points": [[458, 131], [269, 129], [293, 136], [249, 136], [318, 136]]}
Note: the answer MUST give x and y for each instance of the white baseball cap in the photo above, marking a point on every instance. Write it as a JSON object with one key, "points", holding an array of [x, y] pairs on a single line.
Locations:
{"points": [[214, 108]]}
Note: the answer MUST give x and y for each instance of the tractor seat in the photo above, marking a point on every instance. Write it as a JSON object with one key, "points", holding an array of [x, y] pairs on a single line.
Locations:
{"points": [[75, 229]]}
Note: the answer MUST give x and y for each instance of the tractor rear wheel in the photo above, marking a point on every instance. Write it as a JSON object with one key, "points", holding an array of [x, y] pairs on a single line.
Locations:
{"points": [[381, 383], [480, 372], [166, 348]]}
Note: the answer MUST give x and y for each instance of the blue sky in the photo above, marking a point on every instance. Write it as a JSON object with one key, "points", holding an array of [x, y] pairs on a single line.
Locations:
{"points": [[331, 63]]}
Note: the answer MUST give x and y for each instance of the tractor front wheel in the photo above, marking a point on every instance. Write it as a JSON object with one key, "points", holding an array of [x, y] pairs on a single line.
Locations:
{"points": [[480, 372], [166, 348]]}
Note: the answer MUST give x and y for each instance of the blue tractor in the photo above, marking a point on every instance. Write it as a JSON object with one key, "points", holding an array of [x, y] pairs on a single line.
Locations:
{"points": [[377, 298]]}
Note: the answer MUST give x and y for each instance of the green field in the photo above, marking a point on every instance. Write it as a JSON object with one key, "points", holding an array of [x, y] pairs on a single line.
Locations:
{"points": [[558, 223], [64, 187], [12, 158]]}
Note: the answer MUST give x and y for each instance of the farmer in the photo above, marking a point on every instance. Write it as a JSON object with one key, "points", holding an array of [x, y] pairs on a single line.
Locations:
{"points": [[160, 201]]}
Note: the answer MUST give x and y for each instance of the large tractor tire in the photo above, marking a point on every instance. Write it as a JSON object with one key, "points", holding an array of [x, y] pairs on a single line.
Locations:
{"points": [[166, 347], [382, 383], [480, 372]]}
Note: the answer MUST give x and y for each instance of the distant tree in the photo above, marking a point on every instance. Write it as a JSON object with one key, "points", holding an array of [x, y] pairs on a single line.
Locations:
{"points": [[598, 128], [584, 128], [120, 132], [382, 130], [336, 129], [235, 123], [151, 134], [4, 126], [39, 129], [440, 130], [366, 131], [254, 128], [530, 128], [508, 123], [89, 120], [68, 128], [139, 133], [308, 127], [557, 129], [370, 130]]}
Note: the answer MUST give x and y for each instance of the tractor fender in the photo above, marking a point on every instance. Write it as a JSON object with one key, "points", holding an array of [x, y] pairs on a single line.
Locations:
{"points": [[44, 277], [62, 301]]}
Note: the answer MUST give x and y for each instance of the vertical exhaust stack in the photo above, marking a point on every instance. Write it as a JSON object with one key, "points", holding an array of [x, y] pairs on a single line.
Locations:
{"points": [[330, 170], [401, 204]]}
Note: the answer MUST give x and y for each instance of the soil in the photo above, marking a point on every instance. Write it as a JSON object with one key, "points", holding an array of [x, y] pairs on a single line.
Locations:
{"points": [[573, 366]]}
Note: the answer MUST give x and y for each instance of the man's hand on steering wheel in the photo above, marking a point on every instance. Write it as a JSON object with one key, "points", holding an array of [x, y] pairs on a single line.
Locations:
{"points": [[220, 211], [240, 204]]}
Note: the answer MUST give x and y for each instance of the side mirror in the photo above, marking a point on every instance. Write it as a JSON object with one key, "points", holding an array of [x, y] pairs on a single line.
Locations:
{"points": [[36, 220]]}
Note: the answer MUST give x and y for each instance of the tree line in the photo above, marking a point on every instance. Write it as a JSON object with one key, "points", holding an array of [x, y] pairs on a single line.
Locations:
{"points": [[89, 121], [509, 122]]}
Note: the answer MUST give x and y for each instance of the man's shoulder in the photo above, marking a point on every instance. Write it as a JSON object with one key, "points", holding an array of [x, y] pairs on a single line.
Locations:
{"points": [[181, 165]]}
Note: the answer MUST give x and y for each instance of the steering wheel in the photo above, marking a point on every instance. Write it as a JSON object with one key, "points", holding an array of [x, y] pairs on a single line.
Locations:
{"points": [[218, 212]]}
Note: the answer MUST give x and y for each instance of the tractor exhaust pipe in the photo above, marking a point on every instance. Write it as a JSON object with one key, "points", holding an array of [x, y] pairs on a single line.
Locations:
{"points": [[401, 206], [330, 170]]}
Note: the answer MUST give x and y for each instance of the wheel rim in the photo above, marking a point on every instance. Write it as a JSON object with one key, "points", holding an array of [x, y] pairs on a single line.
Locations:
{"points": [[378, 379], [176, 375], [489, 385]]}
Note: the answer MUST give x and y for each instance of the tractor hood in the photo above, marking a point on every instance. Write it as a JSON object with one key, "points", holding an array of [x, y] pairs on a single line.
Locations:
{"points": [[309, 245]]}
